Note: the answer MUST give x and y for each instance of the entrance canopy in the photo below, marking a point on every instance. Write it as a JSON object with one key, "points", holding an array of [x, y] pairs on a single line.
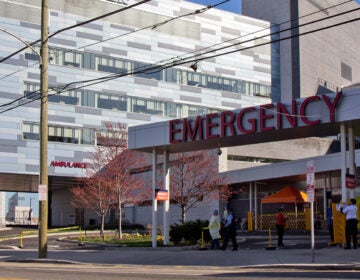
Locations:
{"points": [[286, 195], [314, 116]]}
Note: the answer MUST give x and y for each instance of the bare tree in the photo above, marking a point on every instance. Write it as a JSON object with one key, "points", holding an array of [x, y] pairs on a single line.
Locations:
{"points": [[108, 181], [195, 179]]}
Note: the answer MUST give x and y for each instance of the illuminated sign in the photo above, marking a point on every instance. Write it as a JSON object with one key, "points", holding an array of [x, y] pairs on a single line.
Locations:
{"points": [[253, 119], [350, 181], [161, 195], [68, 164]]}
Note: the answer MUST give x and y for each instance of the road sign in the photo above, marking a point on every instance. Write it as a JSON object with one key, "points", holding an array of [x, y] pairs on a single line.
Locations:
{"points": [[350, 181], [42, 192], [310, 180]]}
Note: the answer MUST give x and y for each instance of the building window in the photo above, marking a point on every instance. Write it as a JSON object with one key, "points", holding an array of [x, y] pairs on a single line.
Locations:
{"points": [[73, 135], [31, 131], [106, 101], [72, 58], [151, 71]]}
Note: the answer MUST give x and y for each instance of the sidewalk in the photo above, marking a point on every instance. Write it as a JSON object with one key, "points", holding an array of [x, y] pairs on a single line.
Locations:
{"points": [[325, 258], [331, 257]]}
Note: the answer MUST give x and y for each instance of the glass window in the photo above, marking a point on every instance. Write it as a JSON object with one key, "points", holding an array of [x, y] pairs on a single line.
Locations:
{"points": [[31, 131], [72, 58], [89, 61], [70, 97], [88, 98], [32, 91], [88, 136], [171, 110], [193, 79]]}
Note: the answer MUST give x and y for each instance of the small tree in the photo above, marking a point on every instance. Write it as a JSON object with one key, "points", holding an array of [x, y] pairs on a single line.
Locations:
{"points": [[108, 180], [195, 179]]}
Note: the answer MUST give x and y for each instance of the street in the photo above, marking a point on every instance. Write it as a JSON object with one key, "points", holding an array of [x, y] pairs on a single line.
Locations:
{"points": [[38, 271], [67, 260]]}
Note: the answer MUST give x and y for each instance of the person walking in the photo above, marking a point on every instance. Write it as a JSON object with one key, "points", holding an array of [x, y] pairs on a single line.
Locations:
{"points": [[230, 231], [280, 226], [350, 212], [330, 221], [214, 230]]}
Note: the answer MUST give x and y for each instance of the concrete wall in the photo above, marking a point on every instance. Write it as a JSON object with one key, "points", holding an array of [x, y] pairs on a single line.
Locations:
{"points": [[328, 58]]}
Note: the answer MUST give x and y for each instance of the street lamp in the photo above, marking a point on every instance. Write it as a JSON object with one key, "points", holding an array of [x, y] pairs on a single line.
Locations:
{"points": [[24, 42]]}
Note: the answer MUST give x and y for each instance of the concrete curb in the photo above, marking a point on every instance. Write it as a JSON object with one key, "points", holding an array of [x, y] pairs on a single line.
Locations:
{"points": [[313, 267]]}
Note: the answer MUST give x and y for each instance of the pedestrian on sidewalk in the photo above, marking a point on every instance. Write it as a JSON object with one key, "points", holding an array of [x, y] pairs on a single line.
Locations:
{"points": [[330, 221], [350, 212], [280, 226], [214, 230], [229, 231]]}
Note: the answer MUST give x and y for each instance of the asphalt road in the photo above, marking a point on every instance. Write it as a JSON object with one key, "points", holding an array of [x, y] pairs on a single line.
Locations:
{"points": [[27, 271]]}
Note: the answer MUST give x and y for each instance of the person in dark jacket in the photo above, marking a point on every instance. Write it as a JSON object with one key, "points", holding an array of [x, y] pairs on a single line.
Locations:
{"points": [[229, 231]]}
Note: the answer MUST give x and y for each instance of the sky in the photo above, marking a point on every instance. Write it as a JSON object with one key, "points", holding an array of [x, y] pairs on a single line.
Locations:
{"points": [[232, 5]]}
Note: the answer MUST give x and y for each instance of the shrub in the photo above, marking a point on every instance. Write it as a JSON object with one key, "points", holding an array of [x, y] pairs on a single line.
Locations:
{"points": [[190, 232]]}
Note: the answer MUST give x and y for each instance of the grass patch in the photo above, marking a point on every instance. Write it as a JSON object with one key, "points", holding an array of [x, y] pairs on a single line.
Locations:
{"points": [[128, 240]]}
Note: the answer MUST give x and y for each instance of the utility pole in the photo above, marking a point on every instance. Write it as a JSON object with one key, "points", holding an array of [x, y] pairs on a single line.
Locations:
{"points": [[43, 203]]}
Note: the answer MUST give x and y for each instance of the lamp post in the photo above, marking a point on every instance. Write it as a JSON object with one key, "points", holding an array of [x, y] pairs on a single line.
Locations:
{"points": [[24, 42]]}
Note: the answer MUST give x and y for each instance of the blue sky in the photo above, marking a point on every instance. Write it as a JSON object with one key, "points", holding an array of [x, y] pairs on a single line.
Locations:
{"points": [[233, 5]]}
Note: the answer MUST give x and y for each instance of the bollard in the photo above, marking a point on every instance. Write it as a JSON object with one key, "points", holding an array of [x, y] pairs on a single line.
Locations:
{"points": [[21, 241], [270, 246], [81, 243], [202, 238]]}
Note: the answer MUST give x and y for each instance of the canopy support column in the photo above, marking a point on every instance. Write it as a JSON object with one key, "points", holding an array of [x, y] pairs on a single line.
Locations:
{"points": [[255, 206], [166, 207], [154, 201], [343, 161], [351, 157]]}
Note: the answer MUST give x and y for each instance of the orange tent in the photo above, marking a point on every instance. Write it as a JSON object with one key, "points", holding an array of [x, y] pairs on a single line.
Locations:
{"points": [[286, 195]]}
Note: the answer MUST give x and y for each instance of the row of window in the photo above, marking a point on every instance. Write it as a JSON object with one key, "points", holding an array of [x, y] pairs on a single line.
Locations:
{"points": [[109, 64], [73, 135], [89, 98], [254, 159]]}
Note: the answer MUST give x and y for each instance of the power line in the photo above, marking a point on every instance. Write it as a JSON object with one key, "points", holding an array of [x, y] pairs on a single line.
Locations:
{"points": [[193, 13], [104, 79], [77, 25], [158, 68], [195, 58], [153, 26]]}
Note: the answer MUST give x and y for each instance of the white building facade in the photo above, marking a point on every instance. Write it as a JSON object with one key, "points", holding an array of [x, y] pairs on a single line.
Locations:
{"points": [[145, 54]]}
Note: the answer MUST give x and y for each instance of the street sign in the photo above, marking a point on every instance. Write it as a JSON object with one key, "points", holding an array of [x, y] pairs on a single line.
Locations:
{"points": [[162, 195], [350, 181], [310, 180], [310, 191], [42, 192]]}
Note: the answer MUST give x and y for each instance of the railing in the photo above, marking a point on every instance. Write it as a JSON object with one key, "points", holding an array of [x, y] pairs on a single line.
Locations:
{"points": [[295, 221]]}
